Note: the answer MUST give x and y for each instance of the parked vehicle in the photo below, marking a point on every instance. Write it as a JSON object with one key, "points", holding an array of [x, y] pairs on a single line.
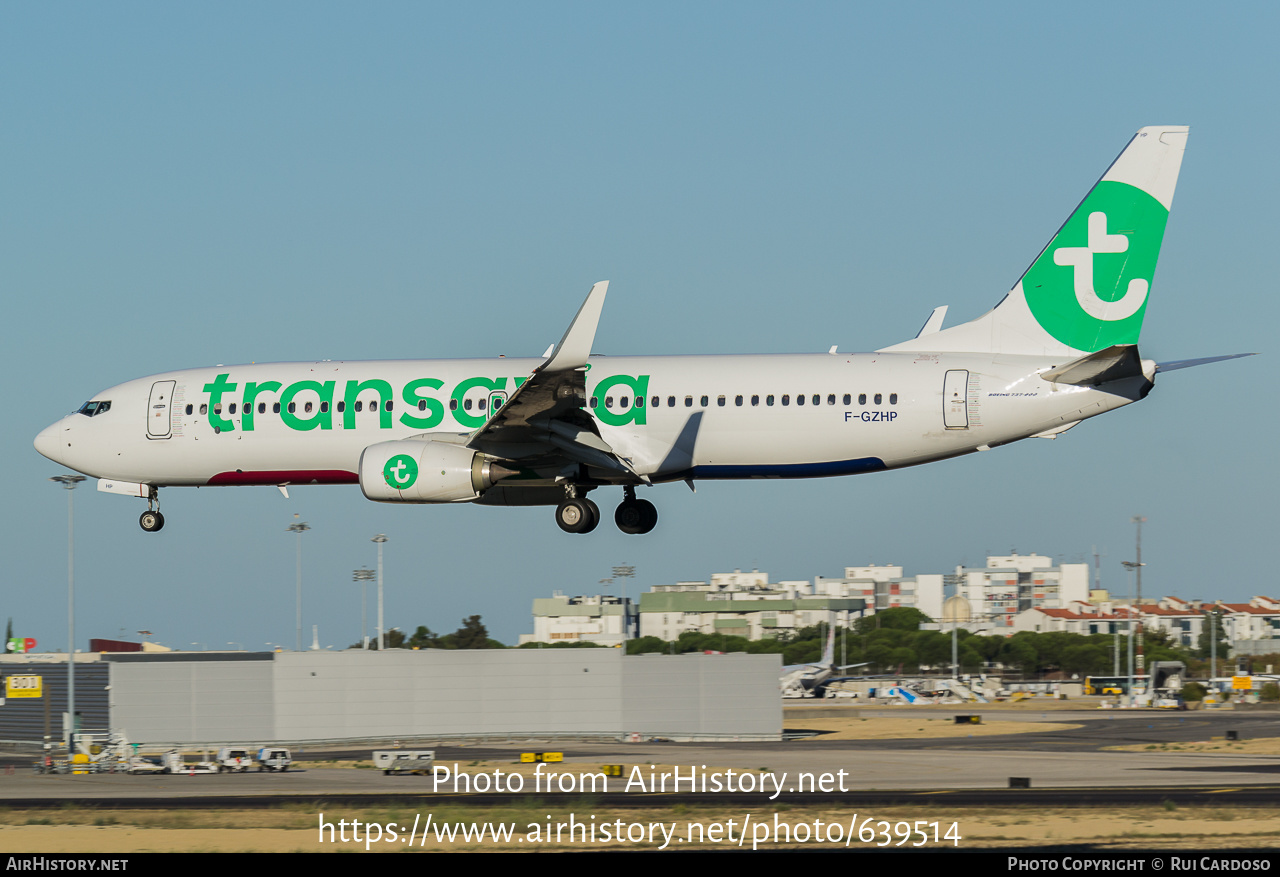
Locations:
{"points": [[401, 761], [272, 758], [232, 760]]}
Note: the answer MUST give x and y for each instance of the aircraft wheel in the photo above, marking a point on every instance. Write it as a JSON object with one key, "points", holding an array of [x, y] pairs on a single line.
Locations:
{"points": [[636, 516], [577, 515], [151, 521], [595, 517]]}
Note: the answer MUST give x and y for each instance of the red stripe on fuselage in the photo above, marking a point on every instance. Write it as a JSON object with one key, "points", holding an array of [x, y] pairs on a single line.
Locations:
{"points": [[295, 476]]}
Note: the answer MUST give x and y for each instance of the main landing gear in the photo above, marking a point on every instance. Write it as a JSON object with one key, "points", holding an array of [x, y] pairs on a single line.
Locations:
{"points": [[577, 514], [151, 520], [635, 515]]}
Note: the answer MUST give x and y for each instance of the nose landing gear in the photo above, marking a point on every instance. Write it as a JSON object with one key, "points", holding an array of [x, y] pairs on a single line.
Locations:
{"points": [[151, 520]]}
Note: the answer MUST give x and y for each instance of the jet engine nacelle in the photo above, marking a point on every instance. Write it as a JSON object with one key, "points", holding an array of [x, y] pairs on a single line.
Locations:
{"points": [[425, 471]]}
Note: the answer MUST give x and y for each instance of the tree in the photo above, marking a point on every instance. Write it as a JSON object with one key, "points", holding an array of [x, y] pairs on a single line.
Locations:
{"points": [[472, 635], [897, 618], [424, 638]]}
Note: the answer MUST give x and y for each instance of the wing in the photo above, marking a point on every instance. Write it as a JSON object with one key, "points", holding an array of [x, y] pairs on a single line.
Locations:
{"points": [[543, 424]]}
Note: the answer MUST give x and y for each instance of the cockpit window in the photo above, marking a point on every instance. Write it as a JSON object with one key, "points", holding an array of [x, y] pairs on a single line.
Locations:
{"points": [[94, 408]]}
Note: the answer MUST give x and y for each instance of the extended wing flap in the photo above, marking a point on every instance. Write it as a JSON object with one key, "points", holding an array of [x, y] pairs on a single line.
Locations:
{"points": [[544, 417]]}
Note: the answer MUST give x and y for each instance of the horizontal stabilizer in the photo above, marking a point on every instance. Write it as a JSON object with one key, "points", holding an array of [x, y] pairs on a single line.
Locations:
{"points": [[1188, 363], [1110, 364]]}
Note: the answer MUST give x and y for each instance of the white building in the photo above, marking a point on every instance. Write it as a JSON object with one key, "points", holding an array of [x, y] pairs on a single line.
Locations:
{"points": [[1014, 583], [599, 619], [1251, 628], [884, 587]]}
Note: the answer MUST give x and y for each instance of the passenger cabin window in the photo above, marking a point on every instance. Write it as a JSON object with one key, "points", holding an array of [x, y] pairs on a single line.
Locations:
{"points": [[705, 400], [737, 400], [204, 407], [878, 398], [893, 398], [800, 399], [595, 402], [831, 399], [608, 401], [847, 398], [656, 401], [324, 407], [755, 400], [293, 407], [862, 398], [817, 399], [768, 400], [190, 409], [466, 403], [275, 408], [422, 404], [671, 401], [359, 406], [233, 408], [786, 398], [453, 404], [262, 407], [720, 401], [688, 401], [624, 401], [306, 408], [342, 406]]}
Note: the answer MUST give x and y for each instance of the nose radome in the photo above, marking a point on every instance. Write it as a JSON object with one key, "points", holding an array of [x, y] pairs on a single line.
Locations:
{"points": [[48, 442]]}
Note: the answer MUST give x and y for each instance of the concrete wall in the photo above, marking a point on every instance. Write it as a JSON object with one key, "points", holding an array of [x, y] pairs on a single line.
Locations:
{"points": [[400, 693], [189, 698]]}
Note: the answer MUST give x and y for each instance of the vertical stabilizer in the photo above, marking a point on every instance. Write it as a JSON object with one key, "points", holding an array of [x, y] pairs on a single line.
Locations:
{"points": [[829, 653], [1089, 287]]}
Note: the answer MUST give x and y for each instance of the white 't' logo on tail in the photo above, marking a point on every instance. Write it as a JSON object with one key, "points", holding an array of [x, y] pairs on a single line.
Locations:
{"points": [[1081, 260]]}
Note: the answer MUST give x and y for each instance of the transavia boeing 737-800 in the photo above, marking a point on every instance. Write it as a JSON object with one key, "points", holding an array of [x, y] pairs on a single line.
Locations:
{"points": [[1060, 347]]}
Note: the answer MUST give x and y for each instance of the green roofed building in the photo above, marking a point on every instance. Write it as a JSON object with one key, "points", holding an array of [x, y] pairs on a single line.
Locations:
{"points": [[601, 619], [741, 604]]}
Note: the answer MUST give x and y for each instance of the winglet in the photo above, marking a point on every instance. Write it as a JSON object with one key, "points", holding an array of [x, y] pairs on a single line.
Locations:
{"points": [[575, 346], [934, 323]]}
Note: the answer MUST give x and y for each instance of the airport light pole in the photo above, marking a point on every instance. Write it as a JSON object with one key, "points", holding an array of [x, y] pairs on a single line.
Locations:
{"points": [[625, 572], [1139, 520], [382, 637], [363, 576], [69, 482], [299, 527]]}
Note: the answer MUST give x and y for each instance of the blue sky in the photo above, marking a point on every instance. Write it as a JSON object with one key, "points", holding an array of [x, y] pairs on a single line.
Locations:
{"points": [[194, 184]]}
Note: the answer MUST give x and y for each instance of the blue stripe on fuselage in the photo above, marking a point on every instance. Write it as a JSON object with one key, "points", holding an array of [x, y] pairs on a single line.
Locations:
{"points": [[787, 470]]}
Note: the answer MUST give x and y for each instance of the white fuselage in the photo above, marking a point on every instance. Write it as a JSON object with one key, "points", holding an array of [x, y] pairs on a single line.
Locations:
{"points": [[702, 416]]}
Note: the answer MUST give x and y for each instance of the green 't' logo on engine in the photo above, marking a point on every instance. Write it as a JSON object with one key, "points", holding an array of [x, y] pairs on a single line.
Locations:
{"points": [[401, 471], [1089, 287]]}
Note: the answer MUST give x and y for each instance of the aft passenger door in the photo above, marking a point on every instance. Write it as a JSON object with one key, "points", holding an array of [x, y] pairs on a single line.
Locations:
{"points": [[159, 425], [955, 399]]}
